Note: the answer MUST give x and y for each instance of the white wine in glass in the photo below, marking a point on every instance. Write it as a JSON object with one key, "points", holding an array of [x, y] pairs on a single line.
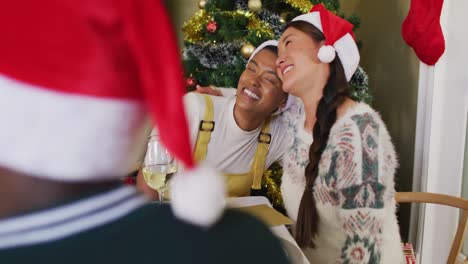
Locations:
{"points": [[158, 176], [159, 166]]}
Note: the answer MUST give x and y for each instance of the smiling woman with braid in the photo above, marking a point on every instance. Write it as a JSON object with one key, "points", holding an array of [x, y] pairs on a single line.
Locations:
{"points": [[340, 188]]}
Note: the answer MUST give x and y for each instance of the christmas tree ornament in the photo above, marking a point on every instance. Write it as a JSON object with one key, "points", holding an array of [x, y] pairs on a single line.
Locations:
{"points": [[190, 82], [421, 30], [247, 50], [255, 5], [284, 16], [212, 26], [202, 4]]}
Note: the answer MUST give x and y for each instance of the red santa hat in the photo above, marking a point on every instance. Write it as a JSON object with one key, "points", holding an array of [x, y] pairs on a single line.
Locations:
{"points": [[76, 82], [339, 38]]}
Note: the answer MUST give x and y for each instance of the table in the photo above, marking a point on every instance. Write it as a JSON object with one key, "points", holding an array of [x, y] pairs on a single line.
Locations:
{"points": [[280, 231]]}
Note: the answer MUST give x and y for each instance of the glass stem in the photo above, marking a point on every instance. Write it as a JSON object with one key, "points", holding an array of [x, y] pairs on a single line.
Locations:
{"points": [[161, 197]]}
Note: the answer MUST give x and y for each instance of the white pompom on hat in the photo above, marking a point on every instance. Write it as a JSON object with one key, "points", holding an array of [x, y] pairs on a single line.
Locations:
{"points": [[338, 38], [203, 202]]}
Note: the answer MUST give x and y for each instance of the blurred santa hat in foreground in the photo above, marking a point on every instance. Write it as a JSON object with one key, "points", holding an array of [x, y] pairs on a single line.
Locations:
{"points": [[77, 79]]}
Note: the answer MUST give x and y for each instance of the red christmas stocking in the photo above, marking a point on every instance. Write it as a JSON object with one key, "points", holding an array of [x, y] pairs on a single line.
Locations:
{"points": [[421, 30]]}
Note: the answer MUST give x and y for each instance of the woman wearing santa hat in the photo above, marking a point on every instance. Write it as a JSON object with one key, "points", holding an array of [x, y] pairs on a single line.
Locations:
{"points": [[338, 181], [77, 79]]}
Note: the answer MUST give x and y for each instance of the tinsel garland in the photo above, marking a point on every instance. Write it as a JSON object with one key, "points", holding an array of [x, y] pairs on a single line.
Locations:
{"points": [[271, 186], [302, 5], [238, 12], [274, 20], [213, 55], [242, 5], [193, 28], [360, 87], [262, 29]]}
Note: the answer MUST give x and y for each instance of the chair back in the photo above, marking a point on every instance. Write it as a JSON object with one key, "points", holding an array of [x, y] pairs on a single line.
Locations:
{"points": [[442, 199]]}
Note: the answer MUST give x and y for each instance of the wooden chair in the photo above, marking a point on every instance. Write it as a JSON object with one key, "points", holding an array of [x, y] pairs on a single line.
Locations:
{"points": [[433, 198]]}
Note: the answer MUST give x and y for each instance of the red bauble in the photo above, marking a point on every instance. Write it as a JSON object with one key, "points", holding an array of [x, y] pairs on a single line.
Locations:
{"points": [[212, 26], [190, 82]]}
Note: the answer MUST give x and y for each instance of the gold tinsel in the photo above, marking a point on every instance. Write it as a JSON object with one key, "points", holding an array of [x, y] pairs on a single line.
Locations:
{"points": [[302, 5], [271, 182], [193, 28], [239, 13], [262, 29]]}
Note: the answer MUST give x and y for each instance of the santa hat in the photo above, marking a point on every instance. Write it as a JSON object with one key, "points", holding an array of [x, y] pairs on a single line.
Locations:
{"points": [[338, 38], [76, 81], [273, 43]]}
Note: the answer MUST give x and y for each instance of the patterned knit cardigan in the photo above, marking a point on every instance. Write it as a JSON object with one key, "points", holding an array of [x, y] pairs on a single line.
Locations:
{"points": [[354, 191]]}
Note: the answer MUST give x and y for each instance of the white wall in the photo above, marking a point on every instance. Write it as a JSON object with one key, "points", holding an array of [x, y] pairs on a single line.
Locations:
{"points": [[464, 191], [445, 88]]}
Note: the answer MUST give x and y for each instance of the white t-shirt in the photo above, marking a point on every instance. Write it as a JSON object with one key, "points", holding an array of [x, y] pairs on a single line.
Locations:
{"points": [[231, 149]]}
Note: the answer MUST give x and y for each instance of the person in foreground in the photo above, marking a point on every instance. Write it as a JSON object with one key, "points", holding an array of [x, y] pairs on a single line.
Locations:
{"points": [[338, 180], [239, 135], [76, 81]]}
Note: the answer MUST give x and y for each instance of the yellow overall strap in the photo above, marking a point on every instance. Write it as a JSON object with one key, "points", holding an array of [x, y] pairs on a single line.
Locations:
{"points": [[258, 165], [204, 131]]}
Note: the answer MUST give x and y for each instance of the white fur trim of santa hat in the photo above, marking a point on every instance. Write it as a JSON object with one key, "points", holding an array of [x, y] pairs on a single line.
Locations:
{"points": [[262, 46], [198, 196], [67, 137], [345, 46]]}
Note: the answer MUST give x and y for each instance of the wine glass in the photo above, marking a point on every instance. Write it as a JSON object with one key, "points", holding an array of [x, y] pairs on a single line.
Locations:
{"points": [[158, 167]]}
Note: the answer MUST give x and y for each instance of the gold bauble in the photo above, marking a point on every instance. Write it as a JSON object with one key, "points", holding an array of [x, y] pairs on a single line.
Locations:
{"points": [[247, 50], [255, 5], [202, 4], [283, 17]]}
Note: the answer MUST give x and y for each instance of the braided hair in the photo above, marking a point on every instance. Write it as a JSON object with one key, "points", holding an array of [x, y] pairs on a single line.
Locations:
{"points": [[334, 94]]}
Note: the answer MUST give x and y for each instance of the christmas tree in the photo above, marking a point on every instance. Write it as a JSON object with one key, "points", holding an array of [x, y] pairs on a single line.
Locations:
{"points": [[220, 37]]}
